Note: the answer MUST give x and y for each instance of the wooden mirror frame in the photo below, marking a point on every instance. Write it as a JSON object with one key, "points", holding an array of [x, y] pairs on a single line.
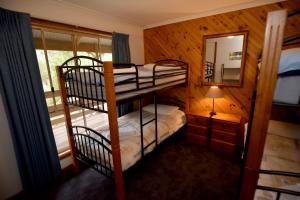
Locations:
{"points": [[205, 37]]}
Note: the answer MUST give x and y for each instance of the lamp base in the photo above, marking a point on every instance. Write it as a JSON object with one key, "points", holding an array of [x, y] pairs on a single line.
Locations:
{"points": [[212, 113]]}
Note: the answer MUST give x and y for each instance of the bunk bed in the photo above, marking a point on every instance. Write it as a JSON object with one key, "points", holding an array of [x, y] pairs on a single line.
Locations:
{"points": [[209, 71], [271, 154], [286, 99], [86, 82]]}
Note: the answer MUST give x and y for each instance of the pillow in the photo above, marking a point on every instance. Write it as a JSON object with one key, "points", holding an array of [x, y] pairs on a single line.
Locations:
{"points": [[148, 66], [124, 70], [289, 60], [166, 66], [161, 109]]}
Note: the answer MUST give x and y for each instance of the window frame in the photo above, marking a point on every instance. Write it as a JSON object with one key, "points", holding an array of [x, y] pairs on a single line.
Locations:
{"points": [[76, 32]]}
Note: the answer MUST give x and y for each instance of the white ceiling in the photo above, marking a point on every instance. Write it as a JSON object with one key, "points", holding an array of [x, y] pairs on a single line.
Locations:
{"points": [[149, 13]]}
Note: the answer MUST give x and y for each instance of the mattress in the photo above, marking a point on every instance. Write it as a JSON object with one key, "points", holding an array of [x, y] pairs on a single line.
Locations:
{"points": [[89, 86], [130, 134], [287, 86], [281, 152], [287, 90]]}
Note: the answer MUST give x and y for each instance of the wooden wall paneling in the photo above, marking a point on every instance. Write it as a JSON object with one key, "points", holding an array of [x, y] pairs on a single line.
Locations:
{"points": [[183, 40], [113, 128], [265, 92]]}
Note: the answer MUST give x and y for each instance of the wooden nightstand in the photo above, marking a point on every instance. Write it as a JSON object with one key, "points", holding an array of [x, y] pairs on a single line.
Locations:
{"points": [[220, 132], [197, 128], [226, 132]]}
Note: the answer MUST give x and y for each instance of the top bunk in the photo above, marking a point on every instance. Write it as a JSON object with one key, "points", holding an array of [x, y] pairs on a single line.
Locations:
{"points": [[84, 81]]}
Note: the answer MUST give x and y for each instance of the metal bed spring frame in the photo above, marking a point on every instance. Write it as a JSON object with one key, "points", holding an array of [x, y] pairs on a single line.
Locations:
{"points": [[209, 70], [96, 151], [88, 75], [278, 191]]}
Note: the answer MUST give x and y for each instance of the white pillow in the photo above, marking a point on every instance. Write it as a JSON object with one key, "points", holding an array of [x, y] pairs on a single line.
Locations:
{"points": [[124, 70], [148, 66], [289, 60], [161, 109]]}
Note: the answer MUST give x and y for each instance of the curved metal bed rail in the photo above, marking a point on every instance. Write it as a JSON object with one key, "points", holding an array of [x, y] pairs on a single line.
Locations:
{"points": [[78, 61], [277, 190], [93, 149], [172, 61], [85, 87], [171, 72]]}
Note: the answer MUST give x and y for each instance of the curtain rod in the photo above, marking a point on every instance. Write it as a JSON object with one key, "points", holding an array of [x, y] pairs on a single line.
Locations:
{"points": [[42, 23]]}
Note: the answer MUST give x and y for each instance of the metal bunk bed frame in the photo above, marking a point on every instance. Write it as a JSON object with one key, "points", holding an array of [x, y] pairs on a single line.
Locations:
{"points": [[74, 77], [209, 71], [250, 167]]}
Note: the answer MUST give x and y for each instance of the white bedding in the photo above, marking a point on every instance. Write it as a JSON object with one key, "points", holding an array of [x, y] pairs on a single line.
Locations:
{"points": [[129, 134], [145, 73], [281, 152], [91, 86], [287, 87], [287, 90]]}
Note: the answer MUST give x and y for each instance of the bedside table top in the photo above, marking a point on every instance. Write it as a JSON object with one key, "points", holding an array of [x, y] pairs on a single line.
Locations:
{"points": [[228, 117], [218, 116], [202, 113]]}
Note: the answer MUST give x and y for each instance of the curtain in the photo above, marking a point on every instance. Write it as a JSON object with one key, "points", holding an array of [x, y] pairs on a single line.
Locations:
{"points": [[121, 54], [25, 105]]}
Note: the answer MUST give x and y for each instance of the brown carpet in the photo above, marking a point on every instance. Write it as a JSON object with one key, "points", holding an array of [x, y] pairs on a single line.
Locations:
{"points": [[176, 170]]}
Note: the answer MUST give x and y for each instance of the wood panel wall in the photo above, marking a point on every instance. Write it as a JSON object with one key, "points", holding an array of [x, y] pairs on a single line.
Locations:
{"points": [[184, 40]]}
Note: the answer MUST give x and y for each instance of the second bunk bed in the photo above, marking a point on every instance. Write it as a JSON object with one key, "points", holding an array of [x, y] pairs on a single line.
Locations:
{"points": [[83, 84]]}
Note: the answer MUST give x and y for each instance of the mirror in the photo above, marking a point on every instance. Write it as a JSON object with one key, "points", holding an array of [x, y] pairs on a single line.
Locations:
{"points": [[224, 59]]}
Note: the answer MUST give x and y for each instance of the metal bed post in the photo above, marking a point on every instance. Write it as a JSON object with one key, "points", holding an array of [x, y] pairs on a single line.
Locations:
{"points": [[155, 108], [141, 125]]}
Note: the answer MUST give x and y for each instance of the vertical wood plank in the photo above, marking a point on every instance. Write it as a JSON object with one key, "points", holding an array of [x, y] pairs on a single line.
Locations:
{"points": [[113, 127], [67, 117], [265, 91]]}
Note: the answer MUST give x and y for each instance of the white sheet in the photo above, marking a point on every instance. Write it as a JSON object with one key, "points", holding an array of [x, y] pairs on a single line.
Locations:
{"points": [[289, 60], [287, 90], [94, 91], [145, 73], [129, 134], [281, 152]]}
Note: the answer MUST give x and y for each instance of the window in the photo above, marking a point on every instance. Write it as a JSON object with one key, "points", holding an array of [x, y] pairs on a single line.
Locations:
{"points": [[53, 47]]}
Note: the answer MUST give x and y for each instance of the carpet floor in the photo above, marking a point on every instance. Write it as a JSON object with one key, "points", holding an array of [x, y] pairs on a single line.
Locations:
{"points": [[176, 170]]}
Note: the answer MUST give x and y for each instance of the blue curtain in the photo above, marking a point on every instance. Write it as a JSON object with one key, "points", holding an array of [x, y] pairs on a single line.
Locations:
{"points": [[121, 54], [25, 105]]}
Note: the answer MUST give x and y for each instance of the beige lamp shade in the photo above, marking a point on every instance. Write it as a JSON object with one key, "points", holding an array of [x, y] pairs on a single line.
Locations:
{"points": [[214, 92]]}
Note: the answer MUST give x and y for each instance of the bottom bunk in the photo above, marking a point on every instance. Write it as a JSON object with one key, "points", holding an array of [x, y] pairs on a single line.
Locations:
{"points": [[281, 153], [93, 146]]}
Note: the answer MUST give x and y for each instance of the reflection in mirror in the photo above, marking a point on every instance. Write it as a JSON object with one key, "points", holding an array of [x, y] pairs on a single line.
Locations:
{"points": [[223, 61]]}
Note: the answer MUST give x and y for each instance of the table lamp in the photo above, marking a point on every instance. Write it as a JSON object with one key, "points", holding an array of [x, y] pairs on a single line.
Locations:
{"points": [[214, 92]]}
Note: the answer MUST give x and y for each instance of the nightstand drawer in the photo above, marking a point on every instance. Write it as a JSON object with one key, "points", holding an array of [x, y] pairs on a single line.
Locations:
{"points": [[223, 146], [224, 136], [197, 120], [199, 139], [197, 130], [225, 126]]}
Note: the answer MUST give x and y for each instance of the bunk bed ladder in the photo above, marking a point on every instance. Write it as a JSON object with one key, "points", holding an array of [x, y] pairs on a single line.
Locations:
{"points": [[142, 124]]}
